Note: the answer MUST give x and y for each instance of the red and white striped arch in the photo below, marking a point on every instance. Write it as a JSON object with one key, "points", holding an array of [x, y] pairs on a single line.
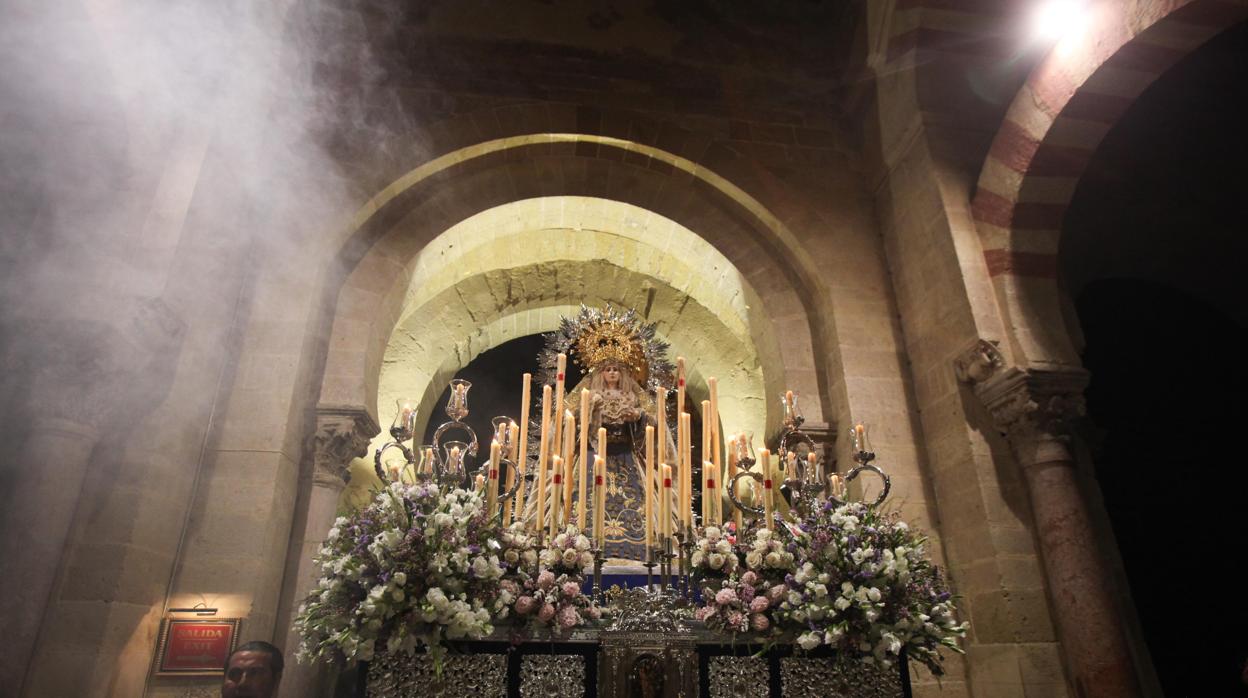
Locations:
{"points": [[1055, 123]]}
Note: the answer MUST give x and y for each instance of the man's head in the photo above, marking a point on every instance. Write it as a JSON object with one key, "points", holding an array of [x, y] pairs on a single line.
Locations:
{"points": [[253, 671]]}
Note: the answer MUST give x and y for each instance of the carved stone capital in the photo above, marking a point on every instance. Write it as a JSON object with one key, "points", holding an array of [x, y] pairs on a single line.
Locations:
{"points": [[979, 362], [1035, 409], [342, 433]]}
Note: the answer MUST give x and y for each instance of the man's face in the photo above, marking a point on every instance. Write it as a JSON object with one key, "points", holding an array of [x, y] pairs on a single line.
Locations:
{"points": [[250, 676]]}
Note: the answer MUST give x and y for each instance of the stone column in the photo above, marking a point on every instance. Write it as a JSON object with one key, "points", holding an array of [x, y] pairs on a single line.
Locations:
{"points": [[342, 434], [1034, 409], [86, 377]]}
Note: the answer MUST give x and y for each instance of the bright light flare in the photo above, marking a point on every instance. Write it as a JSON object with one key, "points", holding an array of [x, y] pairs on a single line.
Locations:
{"points": [[1054, 19]]}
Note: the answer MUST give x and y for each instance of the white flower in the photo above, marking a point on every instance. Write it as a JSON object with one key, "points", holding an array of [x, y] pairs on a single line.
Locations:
{"points": [[808, 640], [712, 533], [570, 556], [754, 559], [696, 559], [773, 559], [582, 543], [399, 578], [715, 560], [873, 594]]}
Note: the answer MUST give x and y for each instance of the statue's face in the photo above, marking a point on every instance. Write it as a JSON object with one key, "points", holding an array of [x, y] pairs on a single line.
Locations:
{"points": [[611, 374]]}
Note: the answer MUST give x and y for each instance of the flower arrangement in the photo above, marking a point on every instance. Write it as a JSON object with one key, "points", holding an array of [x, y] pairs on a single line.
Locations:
{"points": [[417, 566], [714, 555], [848, 577], [864, 585], [549, 599], [568, 553]]}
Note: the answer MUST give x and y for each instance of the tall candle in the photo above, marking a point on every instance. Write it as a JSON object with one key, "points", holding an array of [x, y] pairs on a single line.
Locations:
{"points": [[731, 477], [569, 460], [679, 462], [602, 442], [715, 455], [491, 482], [583, 467], [680, 384], [665, 505], [600, 501], [708, 494], [513, 432], [556, 489], [764, 458], [522, 446], [561, 366], [686, 478], [660, 419], [543, 443], [648, 484]]}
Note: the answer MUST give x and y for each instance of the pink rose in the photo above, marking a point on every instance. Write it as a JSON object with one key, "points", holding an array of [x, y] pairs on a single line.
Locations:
{"points": [[759, 604], [737, 620], [547, 612], [747, 593], [546, 579], [571, 589], [594, 612], [723, 597], [524, 605], [704, 612], [749, 578], [759, 622], [568, 617], [777, 592], [510, 587]]}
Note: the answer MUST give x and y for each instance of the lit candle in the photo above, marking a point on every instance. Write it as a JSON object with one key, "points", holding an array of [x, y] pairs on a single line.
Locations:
{"points": [[838, 487], [394, 474], [764, 457], [556, 466], [665, 506], [491, 482], [602, 441], [543, 487], [860, 437], [480, 483], [429, 461], [812, 472], [522, 446], [648, 482]]}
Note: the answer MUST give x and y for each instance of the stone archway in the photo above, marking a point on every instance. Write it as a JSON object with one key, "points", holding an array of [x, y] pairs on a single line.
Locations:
{"points": [[1068, 104], [491, 278]]}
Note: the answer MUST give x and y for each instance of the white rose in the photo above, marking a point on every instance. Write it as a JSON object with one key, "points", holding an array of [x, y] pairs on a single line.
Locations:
{"points": [[697, 558], [712, 533], [570, 557], [400, 578], [754, 559], [808, 640], [873, 594], [582, 543], [773, 559], [511, 556], [716, 561], [723, 547]]}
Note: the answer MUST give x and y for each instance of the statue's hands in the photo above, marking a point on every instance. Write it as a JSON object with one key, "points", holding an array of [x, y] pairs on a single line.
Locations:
{"points": [[632, 414]]}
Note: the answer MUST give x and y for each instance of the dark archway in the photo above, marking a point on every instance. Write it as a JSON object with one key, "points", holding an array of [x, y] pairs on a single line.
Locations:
{"points": [[1152, 252]]}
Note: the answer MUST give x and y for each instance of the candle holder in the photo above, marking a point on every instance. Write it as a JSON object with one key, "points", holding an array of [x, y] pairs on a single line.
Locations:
{"points": [[649, 565], [685, 585], [599, 558], [863, 457]]}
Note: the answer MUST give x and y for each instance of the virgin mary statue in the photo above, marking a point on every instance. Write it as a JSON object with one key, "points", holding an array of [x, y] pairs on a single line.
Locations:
{"points": [[625, 365]]}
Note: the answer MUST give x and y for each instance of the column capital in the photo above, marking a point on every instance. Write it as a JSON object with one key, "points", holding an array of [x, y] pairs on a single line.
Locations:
{"points": [[1035, 409], [342, 433]]}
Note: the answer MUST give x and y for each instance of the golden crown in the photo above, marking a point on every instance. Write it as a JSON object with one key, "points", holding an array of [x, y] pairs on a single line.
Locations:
{"points": [[612, 341]]}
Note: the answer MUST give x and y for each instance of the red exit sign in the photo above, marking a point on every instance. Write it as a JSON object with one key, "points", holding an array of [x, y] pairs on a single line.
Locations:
{"points": [[196, 646]]}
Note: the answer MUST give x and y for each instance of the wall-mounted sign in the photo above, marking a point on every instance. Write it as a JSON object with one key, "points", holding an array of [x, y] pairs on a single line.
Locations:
{"points": [[195, 647]]}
